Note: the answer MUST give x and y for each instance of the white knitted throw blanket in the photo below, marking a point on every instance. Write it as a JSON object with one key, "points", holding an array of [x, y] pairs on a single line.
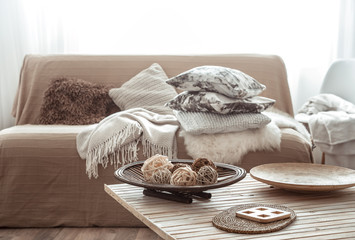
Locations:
{"points": [[115, 139]]}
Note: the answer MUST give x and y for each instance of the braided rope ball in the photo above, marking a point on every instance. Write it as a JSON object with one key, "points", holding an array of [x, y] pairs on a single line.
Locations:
{"points": [[154, 163], [183, 176], [161, 176], [179, 165], [200, 162], [207, 175]]}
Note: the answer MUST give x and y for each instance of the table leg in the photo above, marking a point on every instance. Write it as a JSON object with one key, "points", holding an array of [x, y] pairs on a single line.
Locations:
{"points": [[168, 196]]}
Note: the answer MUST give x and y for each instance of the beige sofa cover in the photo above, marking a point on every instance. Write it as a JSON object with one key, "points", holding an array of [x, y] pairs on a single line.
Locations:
{"points": [[42, 178]]}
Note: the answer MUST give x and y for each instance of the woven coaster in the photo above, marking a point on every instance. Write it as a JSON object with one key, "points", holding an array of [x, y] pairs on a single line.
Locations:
{"points": [[228, 221]]}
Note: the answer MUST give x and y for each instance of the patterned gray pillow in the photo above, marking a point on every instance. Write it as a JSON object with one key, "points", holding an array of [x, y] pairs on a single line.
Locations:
{"points": [[230, 82], [218, 103], [202, 122]]}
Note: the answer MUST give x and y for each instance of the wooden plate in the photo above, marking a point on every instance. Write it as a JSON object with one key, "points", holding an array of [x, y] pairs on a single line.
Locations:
{"points": [[132, 174], [304, 177]]}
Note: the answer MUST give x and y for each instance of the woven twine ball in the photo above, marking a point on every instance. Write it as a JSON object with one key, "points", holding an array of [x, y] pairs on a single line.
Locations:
{"points": [[183, 176], [200, 162], [161, 176], [179, 165], [207, 175], [154, 163]]}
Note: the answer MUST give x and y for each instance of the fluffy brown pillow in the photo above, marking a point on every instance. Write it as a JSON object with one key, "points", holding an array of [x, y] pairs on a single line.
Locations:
{"points": [[73, 101]]}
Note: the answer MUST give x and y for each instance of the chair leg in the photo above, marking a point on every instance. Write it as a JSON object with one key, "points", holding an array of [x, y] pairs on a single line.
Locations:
{"points": [[323, 158]]}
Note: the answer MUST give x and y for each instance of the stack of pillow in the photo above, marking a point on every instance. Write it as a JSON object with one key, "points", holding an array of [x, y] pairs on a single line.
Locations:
{"points": [[218, 100]]}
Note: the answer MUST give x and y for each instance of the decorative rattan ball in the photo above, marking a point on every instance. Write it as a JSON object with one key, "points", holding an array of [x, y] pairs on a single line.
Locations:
{"points": [[207, 175], [200, 162], [154, 163], [161, 176], [183, 176], [179, 165]]}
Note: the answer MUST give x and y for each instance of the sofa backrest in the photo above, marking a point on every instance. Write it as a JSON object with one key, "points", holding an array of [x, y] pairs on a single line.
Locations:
{"points": [[37, 72]]}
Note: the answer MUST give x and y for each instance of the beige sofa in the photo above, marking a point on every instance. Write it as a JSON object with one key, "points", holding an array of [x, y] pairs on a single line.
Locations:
{"points": [[42, 178]]}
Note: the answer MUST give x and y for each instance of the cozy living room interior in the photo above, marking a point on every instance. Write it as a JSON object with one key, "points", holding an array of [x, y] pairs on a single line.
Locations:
{"points": [[177, 119]]}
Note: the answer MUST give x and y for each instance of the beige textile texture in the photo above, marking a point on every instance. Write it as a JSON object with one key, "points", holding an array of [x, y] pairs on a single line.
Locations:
{"points": [[44, 183], [147, 88], [42, 178]]}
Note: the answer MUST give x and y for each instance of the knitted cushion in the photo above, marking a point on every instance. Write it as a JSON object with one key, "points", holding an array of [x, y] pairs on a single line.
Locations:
{"points": [[230, 82], [218, 103], [203, 122], [147, 88]]}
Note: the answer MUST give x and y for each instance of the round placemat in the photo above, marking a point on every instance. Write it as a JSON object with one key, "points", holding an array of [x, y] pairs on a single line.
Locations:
{"points": [[228, 221]]}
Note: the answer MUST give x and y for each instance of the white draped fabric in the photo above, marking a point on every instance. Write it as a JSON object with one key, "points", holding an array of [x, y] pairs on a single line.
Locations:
{"points": [[308, 35]]}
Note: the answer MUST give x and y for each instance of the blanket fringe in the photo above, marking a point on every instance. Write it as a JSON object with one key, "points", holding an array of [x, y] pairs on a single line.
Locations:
{"points": [[113, 151], [150, 149]]}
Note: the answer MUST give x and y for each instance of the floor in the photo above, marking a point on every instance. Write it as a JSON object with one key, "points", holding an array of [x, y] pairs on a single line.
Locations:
{"points": [[78, 234]]}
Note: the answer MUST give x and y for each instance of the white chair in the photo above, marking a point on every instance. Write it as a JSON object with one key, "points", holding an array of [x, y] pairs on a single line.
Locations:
{"points": [[340, 81]]}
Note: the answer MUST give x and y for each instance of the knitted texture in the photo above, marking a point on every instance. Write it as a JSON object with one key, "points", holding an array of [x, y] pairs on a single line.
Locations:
{"points": [[203, 122], [147, 88], [115, 139]]}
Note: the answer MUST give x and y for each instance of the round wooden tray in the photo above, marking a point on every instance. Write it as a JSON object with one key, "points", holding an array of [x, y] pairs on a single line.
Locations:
{"points": [[304, 177], [132, 174]]}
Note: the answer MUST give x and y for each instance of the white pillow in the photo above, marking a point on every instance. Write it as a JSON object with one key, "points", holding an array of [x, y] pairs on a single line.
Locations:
{"points": [[148, 88], [203, 122], [229, 82]]}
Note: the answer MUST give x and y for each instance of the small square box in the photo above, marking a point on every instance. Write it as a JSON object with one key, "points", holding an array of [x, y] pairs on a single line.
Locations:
{"points": [[263, 214]]}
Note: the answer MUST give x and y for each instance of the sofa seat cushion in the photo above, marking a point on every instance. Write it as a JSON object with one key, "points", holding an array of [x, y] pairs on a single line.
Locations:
{"points": [[43, 180]]}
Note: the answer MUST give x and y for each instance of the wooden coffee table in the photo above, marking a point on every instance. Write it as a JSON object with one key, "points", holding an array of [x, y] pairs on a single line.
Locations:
{"points": [[329, 215]]}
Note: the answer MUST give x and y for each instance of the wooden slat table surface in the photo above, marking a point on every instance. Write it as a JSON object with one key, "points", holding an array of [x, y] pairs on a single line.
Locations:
{"points": [[329, 215]]}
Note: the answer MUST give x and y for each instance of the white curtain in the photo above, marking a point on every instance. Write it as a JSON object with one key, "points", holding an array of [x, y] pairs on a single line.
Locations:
{"points": [[11, 54], [346, 33], [304, 33]]}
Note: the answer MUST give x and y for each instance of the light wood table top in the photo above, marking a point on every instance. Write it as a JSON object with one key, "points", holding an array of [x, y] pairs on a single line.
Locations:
{"points": [[329, 215]]}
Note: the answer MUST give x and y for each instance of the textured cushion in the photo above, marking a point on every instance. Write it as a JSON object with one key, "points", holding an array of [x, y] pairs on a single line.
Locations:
{"points": [[73, 101], [203, 122], [230, 82], [218, 103], [147, 88]]}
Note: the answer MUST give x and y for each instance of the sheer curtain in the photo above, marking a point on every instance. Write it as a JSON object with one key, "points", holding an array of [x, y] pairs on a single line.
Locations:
{"points": [[304, 33], [346, 33]]}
